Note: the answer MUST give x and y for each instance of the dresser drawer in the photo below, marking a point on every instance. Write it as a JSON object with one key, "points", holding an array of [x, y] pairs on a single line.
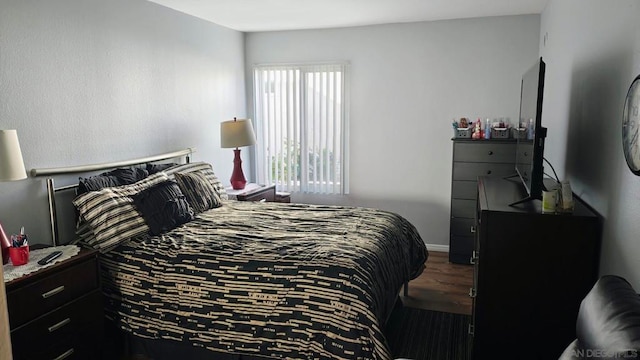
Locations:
{"points": [[75, 317], [525, 154], [462, 245], [460, 249], [464, 190], [485, 152], [471, 171], [35, 299], [462, 226], [463, 208]]}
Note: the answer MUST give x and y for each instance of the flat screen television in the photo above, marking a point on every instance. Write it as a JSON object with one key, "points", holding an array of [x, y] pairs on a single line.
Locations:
{"points": [[530, 148]]}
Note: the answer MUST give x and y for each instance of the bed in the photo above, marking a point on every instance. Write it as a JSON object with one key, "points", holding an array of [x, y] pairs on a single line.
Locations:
{"points": [[249, 280]]}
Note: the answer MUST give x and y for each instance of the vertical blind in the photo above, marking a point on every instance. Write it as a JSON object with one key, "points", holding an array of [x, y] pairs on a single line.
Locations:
{"points": [[301, 118]]}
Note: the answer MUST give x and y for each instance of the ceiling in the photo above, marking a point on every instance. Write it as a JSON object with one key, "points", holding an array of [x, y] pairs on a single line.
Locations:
{"points": [[271, 15]]}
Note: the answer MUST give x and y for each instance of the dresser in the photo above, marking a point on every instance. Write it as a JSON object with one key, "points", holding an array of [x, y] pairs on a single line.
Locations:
{"points": [[531, 272], [57, 312], [473, 158]]}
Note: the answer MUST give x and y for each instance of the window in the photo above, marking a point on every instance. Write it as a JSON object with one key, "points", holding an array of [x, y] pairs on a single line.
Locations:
{"points": [[301, 119]]}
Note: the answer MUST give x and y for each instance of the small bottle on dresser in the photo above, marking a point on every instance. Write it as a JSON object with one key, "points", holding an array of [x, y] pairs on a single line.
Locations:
{"points": [[487, 129]]}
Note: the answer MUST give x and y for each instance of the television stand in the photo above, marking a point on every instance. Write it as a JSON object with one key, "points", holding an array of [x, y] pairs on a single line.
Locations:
{"points": [[531, 272]]}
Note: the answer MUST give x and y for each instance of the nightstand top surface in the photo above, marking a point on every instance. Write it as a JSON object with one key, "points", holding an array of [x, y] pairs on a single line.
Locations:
{"points": [[45, 270], [248, 189]]}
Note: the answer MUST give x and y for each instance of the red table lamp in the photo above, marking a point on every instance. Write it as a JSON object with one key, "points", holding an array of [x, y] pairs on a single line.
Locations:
{"points": [[234, 134], [11, 168]]}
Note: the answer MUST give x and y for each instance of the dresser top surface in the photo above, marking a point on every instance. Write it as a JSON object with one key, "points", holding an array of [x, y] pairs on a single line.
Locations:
{"points": [[496, 193], [485, 141]]}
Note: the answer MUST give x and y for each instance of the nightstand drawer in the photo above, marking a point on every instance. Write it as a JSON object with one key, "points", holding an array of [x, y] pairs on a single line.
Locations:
{"points": [[79, 316], [33, 300], [83, 345]]}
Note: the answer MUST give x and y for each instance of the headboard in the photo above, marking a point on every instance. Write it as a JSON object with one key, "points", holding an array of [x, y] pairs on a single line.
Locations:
{"points": [[51, 189]]}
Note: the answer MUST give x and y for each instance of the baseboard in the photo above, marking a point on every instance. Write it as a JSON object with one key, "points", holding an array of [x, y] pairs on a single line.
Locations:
{"points": [[438, 248]]}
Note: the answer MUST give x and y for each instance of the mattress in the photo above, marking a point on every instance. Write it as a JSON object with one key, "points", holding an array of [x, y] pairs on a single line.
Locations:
{"points": [[267, 279]]}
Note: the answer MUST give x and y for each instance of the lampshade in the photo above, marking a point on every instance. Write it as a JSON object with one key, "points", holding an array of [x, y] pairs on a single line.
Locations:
{"points": [[236, 133], [11, 163]]}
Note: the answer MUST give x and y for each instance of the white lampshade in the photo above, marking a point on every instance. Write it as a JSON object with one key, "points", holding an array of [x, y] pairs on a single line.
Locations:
{"points": [[236, 133], [11, 163]]}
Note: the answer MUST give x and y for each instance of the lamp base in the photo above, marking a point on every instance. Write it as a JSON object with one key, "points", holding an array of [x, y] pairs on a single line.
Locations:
{"points": [[238, 181]]}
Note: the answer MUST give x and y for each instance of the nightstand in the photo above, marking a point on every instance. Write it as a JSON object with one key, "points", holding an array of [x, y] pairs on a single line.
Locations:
{"points": [[283, 197], [57, 312], [253, 192]]}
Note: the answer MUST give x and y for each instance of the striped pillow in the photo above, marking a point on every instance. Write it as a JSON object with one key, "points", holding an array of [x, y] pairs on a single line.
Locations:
{"points": [[206, 169], [199, 192], [83, 231], [111, 214]]}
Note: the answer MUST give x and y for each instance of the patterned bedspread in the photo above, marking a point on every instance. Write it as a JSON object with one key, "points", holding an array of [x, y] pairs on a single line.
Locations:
{"points": [[277, 280]]}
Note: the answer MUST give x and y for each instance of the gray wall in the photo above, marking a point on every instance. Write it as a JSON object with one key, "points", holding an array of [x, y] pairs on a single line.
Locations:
{"points": [[408, 81], [592, 52], [87, 81]]}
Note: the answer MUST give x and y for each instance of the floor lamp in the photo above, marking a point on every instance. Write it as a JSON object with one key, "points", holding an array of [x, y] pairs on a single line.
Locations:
{"points": [[234, 134], [11, 169]]}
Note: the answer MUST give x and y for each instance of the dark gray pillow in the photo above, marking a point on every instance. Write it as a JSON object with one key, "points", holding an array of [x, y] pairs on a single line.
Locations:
{"points": [[154, 168], [96, 183], [117, 177], [163, 207], [128, 176]]}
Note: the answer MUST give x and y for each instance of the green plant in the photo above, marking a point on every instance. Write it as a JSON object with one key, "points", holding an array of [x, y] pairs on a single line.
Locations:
{"points": [[282, 169]]}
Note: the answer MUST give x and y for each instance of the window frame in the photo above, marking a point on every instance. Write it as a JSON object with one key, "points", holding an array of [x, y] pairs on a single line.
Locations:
{"points": [[261, 154]]}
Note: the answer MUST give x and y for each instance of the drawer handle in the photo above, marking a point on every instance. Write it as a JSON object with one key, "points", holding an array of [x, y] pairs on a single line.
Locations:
{"points": [[472, 292], [57, 326], [471, 330], [474, 258], [488, 172], [473, 229], [55, 291], [65, 355], [490, 152]]}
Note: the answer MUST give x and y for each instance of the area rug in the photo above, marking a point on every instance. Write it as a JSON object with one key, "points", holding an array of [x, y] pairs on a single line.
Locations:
{"points": [[428, 335]]}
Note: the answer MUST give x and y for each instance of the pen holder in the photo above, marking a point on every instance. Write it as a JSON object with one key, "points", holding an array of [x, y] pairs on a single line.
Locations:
{"points": [[19, 255]]}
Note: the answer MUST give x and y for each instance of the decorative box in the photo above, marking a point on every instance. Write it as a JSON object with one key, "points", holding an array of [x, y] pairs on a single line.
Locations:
{"points": [[463, 133], [500, 133], [519, 133]]}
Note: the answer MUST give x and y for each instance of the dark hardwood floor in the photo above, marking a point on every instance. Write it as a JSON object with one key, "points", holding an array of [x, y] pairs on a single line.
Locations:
{"points": [[442, 286]]}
